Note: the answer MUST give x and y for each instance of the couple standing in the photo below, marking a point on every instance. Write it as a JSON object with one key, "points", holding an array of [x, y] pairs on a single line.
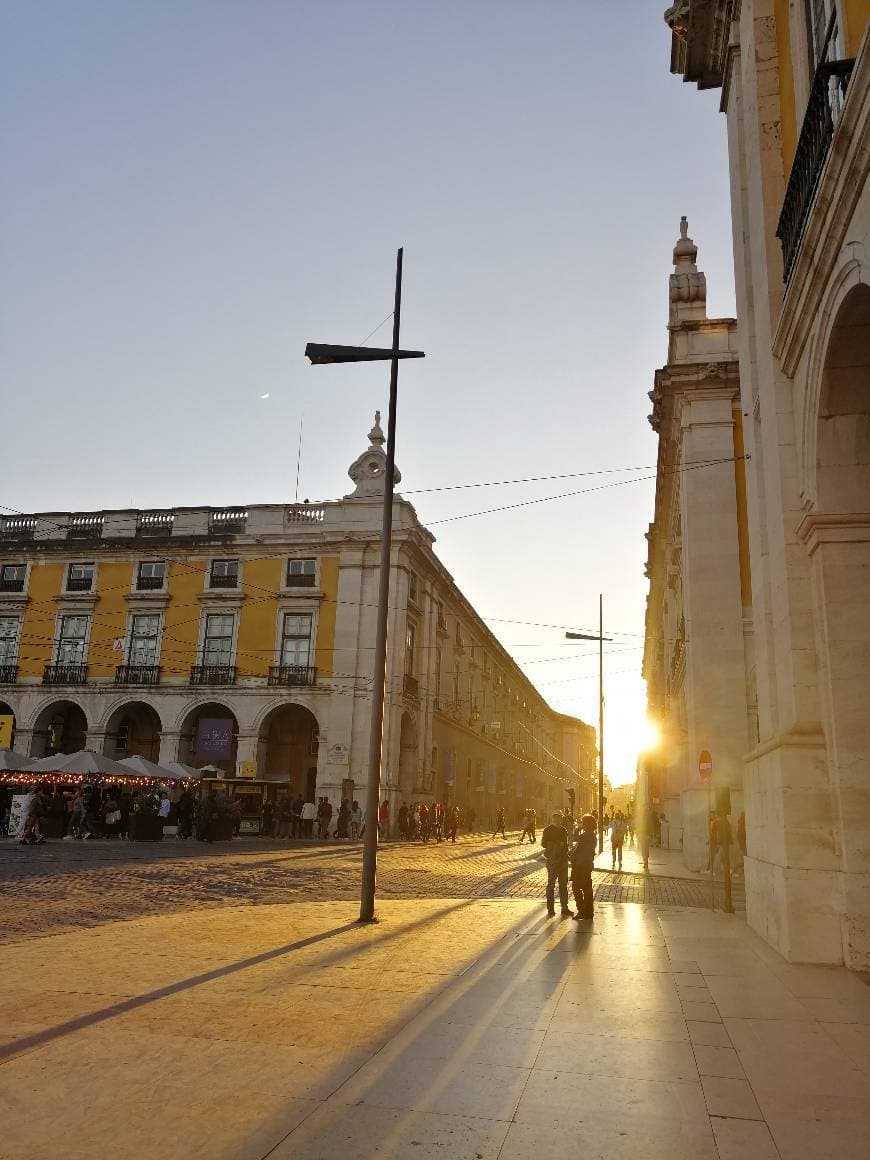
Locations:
{"points": [[580, 857]]}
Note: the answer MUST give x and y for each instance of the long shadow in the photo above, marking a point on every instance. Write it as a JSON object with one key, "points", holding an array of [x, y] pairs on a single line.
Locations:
{"points": [[40, 1038]]}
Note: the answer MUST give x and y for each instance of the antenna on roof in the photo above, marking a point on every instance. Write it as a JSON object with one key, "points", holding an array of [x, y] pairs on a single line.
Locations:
{"points": [[299, 458]]}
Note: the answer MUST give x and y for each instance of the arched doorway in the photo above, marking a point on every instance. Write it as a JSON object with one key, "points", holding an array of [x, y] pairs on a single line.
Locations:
{"points": [[839, 543], [407, 757], [61, 727], [209, 735], [287, 749], [133, 730]]}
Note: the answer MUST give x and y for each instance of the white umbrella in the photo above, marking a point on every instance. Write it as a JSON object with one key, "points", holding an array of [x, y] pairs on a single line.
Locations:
{"points": [[179, 770], [11, 761], [85, 762], [142, 767]]}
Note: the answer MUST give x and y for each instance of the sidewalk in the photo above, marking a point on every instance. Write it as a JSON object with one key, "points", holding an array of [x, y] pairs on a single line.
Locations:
{"points": [[467, 1029]]}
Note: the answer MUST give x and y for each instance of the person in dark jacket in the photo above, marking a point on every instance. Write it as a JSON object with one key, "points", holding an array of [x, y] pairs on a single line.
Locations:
{"points": [[554, 839], [582, 861]]}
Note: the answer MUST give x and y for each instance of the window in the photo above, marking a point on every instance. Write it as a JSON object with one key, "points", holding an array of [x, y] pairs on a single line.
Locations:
{"points": [[296, 640], [151, 575], [72, 643], [217, 644], [80, 578], [145, 640], [301, 573], [8, 640], [412, 586], [411, 649], [224, 574], [12, 577]]}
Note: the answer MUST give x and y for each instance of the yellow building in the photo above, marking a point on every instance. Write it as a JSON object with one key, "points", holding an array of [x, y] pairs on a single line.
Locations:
{"points": [[243, 638]]}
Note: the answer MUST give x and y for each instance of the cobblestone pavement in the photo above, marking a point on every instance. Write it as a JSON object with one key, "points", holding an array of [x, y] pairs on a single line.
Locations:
{"points": [[67, 885]]}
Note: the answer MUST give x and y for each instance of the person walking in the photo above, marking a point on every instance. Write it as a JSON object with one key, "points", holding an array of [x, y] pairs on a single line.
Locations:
{"points": [[355, 821], [582, 862], [31, 834], [309, 813], [554, 840], [617, 838], [384, 820], [472, 817], [451, 823], [499, 823], [529, 819]]}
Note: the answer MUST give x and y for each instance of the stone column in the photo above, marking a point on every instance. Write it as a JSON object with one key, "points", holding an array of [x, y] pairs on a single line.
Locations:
{"points": [[170, 746]]}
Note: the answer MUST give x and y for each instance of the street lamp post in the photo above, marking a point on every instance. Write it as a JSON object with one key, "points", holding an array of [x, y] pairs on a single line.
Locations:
{"points": [[601, 638], [320, 353]]}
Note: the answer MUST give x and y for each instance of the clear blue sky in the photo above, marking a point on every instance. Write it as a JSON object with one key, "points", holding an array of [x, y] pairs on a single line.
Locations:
{"points": [[192, 190]]}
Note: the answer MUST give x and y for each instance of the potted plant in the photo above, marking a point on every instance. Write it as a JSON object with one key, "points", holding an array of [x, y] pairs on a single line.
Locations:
{"points": [[222, 826], [146, 824]]}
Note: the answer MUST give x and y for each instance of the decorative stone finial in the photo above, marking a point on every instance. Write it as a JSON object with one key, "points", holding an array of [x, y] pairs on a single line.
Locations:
{"points": [[688, 289], [368, 470]]}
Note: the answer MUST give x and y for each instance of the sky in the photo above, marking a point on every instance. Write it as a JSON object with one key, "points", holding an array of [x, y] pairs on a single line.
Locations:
{"points": [[193, 189]]}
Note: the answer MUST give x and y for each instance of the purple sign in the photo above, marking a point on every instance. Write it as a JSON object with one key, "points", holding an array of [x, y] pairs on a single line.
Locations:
{"points": [[214, 738]]}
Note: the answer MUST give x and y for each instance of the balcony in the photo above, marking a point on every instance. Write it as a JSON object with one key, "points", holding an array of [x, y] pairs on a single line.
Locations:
{"points": [[12, 584], [65, 675], [227, 521], [137, 675], [823, 111], [213, 674], [410, 686], [8, 674], [155, 523], [300, 580], [17, 528], [79, 583], [150, 583], [88, 526], [292, 675], [223, 581]]}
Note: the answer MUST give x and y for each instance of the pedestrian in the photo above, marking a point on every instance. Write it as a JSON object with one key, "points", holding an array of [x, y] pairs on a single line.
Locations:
{"points": [[31, 834], [111, 815], [451, 824], [324, 817], [472, 818], [355, 821], [554, 840], [91, 811], [402, 820], [529, 819], [342, 823], [384, 820], [296, 817], [423, 818], [205, 830], [309, 813], [499, 823], [617, 838], [185, 815], [582, 862]]}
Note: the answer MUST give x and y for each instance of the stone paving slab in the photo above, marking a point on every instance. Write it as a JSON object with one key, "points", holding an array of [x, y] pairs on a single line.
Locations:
{"points": [[243, 1033], [64, 885]]}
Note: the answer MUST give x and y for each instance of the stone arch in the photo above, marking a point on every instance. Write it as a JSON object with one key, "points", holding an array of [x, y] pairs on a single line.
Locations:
{"points": [[59, 727], [287, 745], [133, 728], [838, 539], [408, 762], [218, 747]]}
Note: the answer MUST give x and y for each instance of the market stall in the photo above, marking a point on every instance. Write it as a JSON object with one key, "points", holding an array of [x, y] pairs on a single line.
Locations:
{"points": [[259, 800]]}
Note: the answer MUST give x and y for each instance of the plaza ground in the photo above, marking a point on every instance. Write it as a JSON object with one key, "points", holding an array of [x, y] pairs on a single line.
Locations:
{"points": [[266, 1022]]}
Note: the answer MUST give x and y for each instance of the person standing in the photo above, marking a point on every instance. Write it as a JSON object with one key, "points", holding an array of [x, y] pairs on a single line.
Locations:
{"points": [[472, 817], [500, 823], [384, 820], [309, 813], [403, 820], [554, 840], [31, 834], [582, 862], [355, 821], [451, 823], [617, 838]]}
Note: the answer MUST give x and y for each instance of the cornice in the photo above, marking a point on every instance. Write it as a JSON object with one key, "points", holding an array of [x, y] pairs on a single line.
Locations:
{"points": [[817, 528]]}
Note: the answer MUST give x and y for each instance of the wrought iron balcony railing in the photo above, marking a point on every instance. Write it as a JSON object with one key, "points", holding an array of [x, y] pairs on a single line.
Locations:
{"points": [[292, 675], [223, 581], [79, 583], [12, 584], [149, 583], [137, 675], [8, 674], [213, 675], [823, 111], [65, 675]]}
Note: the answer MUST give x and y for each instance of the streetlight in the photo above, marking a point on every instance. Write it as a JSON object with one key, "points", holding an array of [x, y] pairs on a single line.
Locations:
{"points": [[319, 354], [601, 638]]}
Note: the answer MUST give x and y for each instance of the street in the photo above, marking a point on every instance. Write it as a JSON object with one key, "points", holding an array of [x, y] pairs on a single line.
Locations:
{"points": [[64, 885]]}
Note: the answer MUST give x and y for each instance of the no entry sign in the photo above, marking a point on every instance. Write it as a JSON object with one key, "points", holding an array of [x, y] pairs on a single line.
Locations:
{"points": [[705, 765]]}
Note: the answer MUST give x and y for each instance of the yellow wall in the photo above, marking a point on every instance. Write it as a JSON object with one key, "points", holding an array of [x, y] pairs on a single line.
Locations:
{"points": [[787, 111], [742, 512], [255, 649], [856, 14], [181, 622], [109, 618], [325, 643], [37, 632]]}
